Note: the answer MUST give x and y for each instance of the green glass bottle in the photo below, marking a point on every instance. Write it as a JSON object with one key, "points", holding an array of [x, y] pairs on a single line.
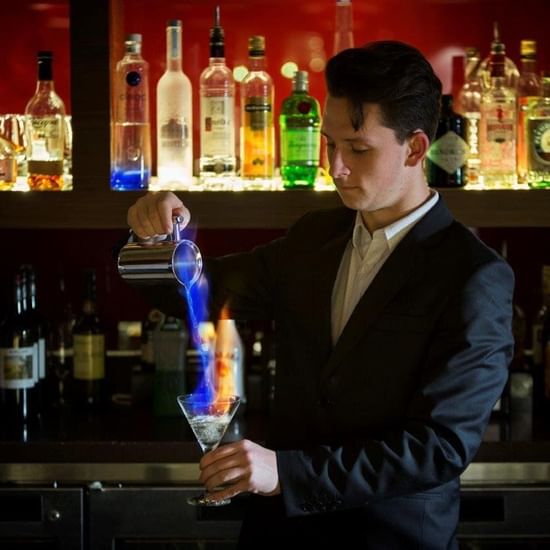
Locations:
{"points": [[300, 136]]}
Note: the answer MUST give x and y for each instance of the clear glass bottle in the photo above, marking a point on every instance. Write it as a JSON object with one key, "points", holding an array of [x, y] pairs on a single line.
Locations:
{"points": [[257, 127], [131, 126], [538, 138], [528, 91], [300, 135], [44, 123], [217, 93], [468, 105], [174, 118], [447, 155], [229, 357], [498, 126], [8, 165], [343, 28]]}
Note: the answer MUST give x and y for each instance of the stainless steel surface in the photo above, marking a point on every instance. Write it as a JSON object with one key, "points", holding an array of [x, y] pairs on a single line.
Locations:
{"points": [[509, 473]]}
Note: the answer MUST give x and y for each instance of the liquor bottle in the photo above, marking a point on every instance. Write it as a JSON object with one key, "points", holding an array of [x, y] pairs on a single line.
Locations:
{"points": [[447, 156], [528, 91], [217, 93], [131, 133], [343, 28], [8, 164], [468, 105], [174, 118], [88, 351], [538, 138], [229, 356], [498, 125], [300, 135], [257, 128], [45, 129], [511, 73], [18, 361]]}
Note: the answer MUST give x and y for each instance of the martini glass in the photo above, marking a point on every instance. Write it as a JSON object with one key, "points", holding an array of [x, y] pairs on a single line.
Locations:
{"points": [[209, 422]]}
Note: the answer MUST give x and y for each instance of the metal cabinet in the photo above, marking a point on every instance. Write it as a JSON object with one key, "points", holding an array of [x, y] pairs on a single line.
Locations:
{"points": [[40, 518]]}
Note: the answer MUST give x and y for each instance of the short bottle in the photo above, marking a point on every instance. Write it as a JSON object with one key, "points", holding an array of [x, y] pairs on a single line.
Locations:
{"points": [[131, 127], [498, 125], [447, 156], [8, 164], [217, 110], [468, 105], [528, 92], [88, 390], [538, 138], [45, 131], [300, 135], [257, 127], [174, 118]]}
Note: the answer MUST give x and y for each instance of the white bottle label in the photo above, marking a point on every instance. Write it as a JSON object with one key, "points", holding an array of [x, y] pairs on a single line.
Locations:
{"points": [[18, 368], [449, 152], [217, 126]]}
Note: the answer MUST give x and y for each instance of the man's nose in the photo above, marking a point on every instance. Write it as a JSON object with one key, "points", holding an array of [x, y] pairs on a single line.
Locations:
{"points": [[337, 166]]}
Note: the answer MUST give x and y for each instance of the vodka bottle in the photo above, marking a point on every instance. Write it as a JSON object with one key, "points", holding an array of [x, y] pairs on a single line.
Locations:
{"points": [[174, 118], [217, 93], [44, 122], [257, 128], [131, 135], [498, 125], [300, 137]]}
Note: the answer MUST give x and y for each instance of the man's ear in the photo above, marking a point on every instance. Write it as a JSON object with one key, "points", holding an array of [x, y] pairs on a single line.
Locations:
{"points": [[419, 144]]}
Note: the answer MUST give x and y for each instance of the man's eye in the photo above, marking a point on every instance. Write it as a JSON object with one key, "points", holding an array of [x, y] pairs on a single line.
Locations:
{"points": [[330, 145], [359, 151]]}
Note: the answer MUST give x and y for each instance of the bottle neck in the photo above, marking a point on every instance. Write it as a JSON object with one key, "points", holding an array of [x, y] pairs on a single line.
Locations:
{"points": [[528, 65], [216, 60], [257, 63], [88, 307], [173, 49]]}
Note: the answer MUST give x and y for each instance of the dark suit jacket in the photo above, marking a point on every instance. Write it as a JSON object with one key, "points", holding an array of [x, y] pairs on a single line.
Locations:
{"points": [[372, 433]]}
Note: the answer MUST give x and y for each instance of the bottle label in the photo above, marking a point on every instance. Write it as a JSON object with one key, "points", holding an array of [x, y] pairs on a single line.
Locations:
{"points": [[89, 356], [258, 113], [217, 126], [174, 134], [538, 131], [45, 139], [18, 368], [301, 145], [472, 133], [498, 140], [449, 152]]}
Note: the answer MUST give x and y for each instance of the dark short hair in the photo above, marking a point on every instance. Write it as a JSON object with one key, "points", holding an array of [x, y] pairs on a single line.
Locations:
{"points": [[393, 75]]}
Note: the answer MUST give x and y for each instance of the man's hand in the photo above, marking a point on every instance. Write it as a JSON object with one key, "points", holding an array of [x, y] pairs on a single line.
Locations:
{"points": [[239, 467], [151, 215]]}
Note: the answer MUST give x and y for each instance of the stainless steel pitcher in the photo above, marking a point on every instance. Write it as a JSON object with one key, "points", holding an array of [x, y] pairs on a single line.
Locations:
{"points": [[150, 262]]}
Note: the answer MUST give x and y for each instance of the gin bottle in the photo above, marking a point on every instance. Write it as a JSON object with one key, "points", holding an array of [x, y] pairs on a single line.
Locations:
{"points": [[538, 138], [131, 134], [498, 125], [44, 123], [174, 118], [257, 128], [217, 93], [300, 135]]}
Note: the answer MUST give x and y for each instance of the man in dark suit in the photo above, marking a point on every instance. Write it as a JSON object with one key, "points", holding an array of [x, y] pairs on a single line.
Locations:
{"points": [[393, 331]]}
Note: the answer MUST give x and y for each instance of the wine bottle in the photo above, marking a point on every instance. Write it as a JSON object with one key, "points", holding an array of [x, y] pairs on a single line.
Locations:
{"points": [[300, 137], [88, 351], [45, 129], [18, 361], [131, 134], [174, 118]]}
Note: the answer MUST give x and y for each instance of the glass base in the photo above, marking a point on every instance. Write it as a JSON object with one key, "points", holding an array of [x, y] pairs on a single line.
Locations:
{"points": [[203, 500]]}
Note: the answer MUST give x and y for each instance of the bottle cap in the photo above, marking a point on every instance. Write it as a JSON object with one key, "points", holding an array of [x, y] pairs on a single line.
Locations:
{"points": [[171, 23], [256, 46], [472, 52], [44, 54], [528, 48], [300, 81], [133, 43]]}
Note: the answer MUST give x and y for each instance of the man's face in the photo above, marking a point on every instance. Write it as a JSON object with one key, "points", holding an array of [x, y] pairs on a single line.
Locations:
{"points": [[368, 166]]}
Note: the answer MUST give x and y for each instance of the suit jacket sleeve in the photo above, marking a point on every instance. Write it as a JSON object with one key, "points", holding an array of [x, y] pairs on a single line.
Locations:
{"points": [[462, 378]]}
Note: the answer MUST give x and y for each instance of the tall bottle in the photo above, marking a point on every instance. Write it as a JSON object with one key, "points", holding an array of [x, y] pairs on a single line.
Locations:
{"points": [[300, 135], [131, 128], [229, 357], [18, 361], [257, 127], [498, 125], [88, 351], [538, 138], [343, 28], [174, 118], [447, 155], [528, 91], [511, 73], [217, 94], [8, 164], [45, 131], [468, 105]]}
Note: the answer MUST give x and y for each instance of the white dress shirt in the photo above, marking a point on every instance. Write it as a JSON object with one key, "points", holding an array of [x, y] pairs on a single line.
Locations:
{"points": [[362, 259]]}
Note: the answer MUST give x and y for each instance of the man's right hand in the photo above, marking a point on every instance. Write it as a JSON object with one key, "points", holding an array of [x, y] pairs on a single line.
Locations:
{"points": [[151, 215]]}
